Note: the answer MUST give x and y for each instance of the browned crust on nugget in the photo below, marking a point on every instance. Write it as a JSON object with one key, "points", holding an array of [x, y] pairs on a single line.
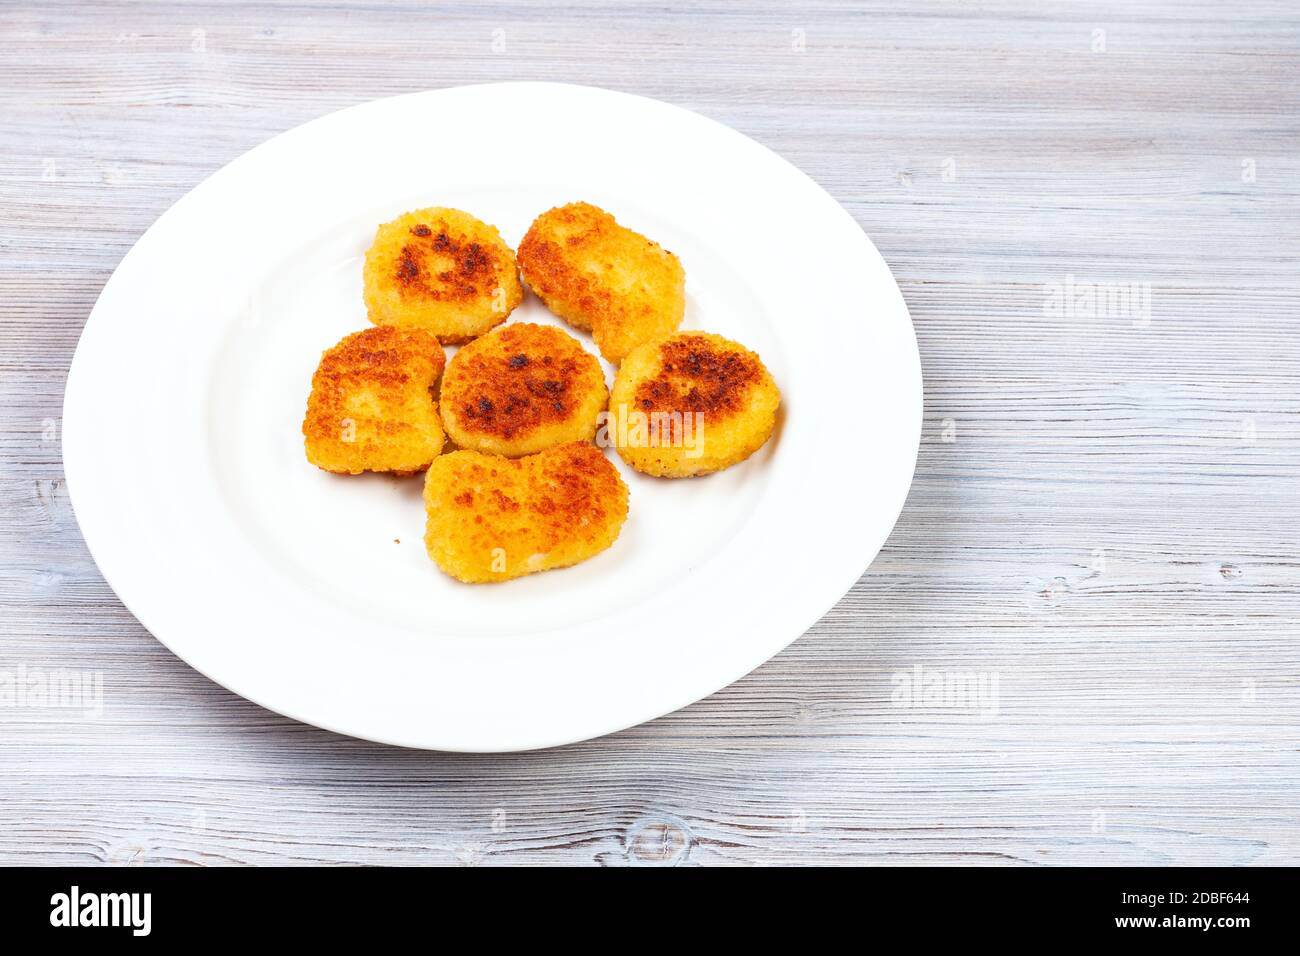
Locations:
{"points": [[551, 275], [370, 408], [520, 379], [602, 277], [493, 518], [697, 375], [692, 404], [473, 265], [441, 270], [381, 355], [577, 479]]}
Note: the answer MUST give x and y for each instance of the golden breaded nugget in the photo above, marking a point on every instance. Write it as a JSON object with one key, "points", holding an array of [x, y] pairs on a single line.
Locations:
{"points": [[602, 277], [521, 389], [441, 270], [370, 407], [690, 404], [493, 518]]}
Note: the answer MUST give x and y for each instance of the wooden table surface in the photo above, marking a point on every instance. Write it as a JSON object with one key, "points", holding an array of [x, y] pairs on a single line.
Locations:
{"points": [[1104, 519]]}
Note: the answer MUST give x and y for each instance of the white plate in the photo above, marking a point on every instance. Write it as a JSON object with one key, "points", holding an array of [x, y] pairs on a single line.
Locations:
{"points": [[184, 456]]}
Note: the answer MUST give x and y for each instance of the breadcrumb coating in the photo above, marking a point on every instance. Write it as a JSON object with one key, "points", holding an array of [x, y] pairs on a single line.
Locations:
{"points": [[370, 407], [441, 270], [691, 404], [492, 518], [602, 277], [521, 389]]}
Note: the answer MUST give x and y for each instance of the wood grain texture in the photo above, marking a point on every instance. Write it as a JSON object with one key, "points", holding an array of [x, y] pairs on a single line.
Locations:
{"points": [[1106, 512]]}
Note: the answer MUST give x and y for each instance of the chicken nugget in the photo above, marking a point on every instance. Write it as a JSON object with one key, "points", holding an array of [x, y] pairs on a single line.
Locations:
{"points": [[441, 270], [521, 389], [370, 407], [602, 277], [691, 404], [493, 518]]}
